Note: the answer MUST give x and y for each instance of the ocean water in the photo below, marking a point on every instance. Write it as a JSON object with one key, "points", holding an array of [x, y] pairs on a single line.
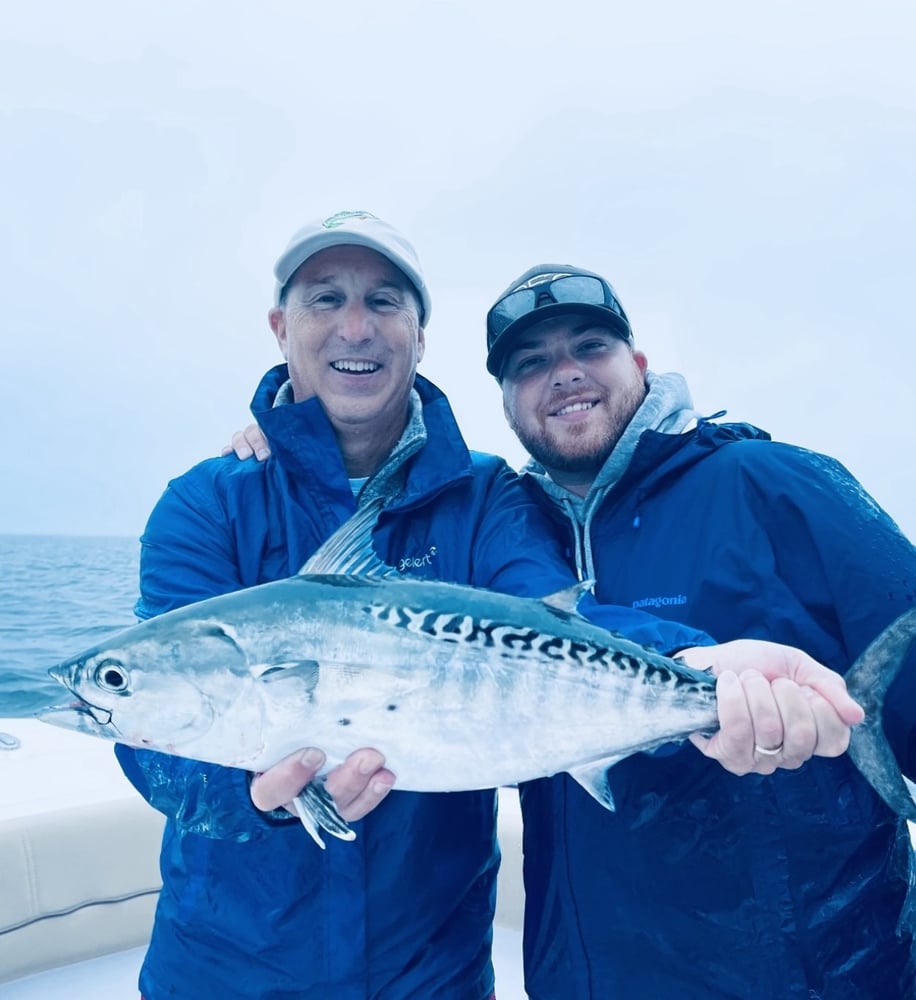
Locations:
{"points": [[59, 595]]}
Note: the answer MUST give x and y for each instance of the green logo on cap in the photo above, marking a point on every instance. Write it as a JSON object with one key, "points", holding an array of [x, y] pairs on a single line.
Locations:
{"points": [[341, 218]]}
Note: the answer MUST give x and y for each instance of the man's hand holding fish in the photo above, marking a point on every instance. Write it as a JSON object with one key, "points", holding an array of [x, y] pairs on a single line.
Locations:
{"points": [[357, 785], [778, 707]]}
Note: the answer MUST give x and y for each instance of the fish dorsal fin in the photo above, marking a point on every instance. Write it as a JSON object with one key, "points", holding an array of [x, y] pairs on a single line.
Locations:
{"points": [[568, 598], [349, 550]]}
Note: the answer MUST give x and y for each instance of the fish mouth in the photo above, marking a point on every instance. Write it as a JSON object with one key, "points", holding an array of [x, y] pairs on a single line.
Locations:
{"points": [[77, 713], [100, 716], [81, 716]]}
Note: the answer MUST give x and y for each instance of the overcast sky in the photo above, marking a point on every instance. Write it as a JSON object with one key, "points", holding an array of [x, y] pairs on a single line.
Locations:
{"points": [[744, 173]]}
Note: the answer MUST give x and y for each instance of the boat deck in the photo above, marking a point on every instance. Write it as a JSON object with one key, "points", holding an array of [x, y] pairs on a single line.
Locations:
{"points": [[80, 855]]}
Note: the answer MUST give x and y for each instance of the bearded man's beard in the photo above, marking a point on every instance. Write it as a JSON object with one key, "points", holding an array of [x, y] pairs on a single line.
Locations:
{"points": [[588, 455]]}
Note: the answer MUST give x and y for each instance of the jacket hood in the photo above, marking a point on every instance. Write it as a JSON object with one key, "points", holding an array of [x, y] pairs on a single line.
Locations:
{"points": [[664, 437]]}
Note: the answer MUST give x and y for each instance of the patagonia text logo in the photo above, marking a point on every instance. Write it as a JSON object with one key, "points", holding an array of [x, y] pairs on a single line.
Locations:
{"points": [[660, 602], [415, 562]]}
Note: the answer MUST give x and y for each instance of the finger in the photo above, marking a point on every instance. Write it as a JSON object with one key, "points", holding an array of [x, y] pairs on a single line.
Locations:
{"points": [[359, 783], [735, 739], [733, 745], [799, 727], [831, 686], [379, 785], [240, 446], [832, 732], [769, 731], [254, 438], [280, 784]]}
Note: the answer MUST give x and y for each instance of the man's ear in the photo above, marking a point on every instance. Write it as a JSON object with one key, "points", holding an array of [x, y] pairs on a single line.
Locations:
{"points": [[276, 317], [421, 344], [642, 362]]}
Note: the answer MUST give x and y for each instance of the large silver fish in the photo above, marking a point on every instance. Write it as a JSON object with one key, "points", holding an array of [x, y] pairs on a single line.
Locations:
{"points": [[459, 688]]}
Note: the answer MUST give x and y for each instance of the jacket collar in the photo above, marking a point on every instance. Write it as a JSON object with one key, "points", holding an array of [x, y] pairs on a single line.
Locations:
{"points": [[302, 440]]}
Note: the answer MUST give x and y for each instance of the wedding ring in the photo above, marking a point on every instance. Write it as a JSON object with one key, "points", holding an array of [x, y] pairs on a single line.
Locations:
{"points": [[766, 751]]}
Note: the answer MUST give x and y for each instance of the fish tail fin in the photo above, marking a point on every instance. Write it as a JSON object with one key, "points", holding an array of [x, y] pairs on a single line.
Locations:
{"points": [[868, 681]]}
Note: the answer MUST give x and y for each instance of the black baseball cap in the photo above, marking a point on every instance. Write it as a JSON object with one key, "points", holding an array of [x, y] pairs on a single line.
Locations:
{"points": [[548, 290]]}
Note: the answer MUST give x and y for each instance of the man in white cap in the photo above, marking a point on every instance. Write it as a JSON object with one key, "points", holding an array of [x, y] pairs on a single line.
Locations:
{"points": [[251, 908]]}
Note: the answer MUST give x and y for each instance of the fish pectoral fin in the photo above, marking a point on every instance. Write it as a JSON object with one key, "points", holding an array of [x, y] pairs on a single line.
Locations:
{"points": [[593, 778], [316, 809], [269, 673]]}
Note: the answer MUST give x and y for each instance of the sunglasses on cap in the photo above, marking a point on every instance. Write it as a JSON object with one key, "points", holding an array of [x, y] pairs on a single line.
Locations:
{"points": [[575, 289]]}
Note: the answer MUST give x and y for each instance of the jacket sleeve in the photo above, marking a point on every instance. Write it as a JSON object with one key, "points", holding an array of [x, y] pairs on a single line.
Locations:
{"points": [[518, 550], [187, 555], [187, 552], [846, 560]]}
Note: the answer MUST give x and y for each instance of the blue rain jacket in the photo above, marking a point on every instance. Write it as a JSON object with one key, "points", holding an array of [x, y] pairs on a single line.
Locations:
{"points": [[704, 885], [251, 907]]}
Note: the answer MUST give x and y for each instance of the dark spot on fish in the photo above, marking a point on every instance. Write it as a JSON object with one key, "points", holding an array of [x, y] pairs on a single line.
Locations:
{"points": [[552, 648], [656, 675], [628, 663], [482, 629], [343, 722], [575, 649], [392, 708], [428, 624], [524, 640]]}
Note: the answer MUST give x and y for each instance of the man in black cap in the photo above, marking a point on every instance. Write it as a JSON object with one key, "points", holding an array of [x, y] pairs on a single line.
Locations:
{"points": [[701, 884]]}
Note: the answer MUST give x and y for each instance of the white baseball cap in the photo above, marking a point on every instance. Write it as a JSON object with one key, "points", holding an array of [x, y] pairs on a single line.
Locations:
{"points": [[361, 229]]}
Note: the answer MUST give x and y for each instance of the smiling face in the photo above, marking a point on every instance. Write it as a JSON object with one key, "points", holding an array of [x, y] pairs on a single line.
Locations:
{"points": [[570, 388], [349, 330]]}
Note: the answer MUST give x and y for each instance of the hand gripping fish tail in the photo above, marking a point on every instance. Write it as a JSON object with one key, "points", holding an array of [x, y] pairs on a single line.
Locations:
{"points": [[868, 680]]}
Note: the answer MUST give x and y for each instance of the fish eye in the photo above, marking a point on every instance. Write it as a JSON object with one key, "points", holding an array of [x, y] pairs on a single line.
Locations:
{"points": [[111, 676]]}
